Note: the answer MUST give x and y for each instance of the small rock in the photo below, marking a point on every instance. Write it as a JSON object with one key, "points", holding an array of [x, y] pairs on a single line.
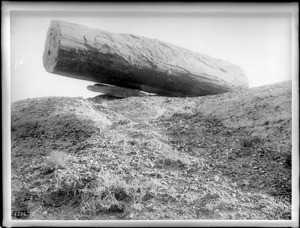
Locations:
{"points": [[194, 188], [94, 167], [45, 213], [131, 216], [246, 183], [151, 164], [208, 206], [234, 184], [217, 178], [216, 211]]}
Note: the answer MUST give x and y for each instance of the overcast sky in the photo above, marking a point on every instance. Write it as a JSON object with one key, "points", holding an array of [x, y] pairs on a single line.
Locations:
{"points": [[260, 43]]}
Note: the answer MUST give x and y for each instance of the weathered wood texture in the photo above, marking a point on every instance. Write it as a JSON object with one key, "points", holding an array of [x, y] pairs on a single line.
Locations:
{"points": [[136, 62]]}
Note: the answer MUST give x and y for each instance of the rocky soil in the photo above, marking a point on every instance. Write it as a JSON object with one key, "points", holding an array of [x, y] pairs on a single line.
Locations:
{"points": [[215, 157]]}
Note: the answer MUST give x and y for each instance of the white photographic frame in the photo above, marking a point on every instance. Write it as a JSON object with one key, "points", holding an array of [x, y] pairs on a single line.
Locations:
{"points": [[8, 7]]}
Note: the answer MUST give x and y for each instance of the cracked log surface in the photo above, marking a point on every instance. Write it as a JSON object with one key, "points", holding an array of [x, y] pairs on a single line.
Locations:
{"points": [[136, 62]]}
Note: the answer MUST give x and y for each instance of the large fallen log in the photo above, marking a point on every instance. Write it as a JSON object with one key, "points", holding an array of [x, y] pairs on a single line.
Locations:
{"points": [[136, 62]]}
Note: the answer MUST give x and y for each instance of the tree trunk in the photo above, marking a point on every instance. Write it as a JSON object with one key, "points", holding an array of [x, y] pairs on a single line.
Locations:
{"points": [[136, 62]]}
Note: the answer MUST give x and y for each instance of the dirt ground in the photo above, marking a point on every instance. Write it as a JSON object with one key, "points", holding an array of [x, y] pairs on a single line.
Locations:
{"points": [[223, 156]]}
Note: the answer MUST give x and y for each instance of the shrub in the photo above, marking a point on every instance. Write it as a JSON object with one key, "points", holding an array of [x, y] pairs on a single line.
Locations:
{"points": [[111, 193], [250, 141]]}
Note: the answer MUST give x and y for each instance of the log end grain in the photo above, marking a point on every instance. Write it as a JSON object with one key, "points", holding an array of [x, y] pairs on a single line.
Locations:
{"points": [[50, 55]]}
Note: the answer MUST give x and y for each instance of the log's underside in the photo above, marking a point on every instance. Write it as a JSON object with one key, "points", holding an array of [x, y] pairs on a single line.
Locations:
{"points": [[136, 63]]}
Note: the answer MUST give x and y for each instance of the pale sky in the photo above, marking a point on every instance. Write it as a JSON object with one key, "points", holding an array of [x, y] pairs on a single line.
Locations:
{"points": [[260, 43]]}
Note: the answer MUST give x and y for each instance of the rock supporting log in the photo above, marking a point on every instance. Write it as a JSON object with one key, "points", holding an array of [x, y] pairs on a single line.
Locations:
{"points": [[136, 62], [117, 91]]}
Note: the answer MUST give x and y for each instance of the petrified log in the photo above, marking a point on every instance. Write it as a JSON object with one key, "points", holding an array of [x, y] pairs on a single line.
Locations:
{"points": [[136, 62], [117, 91]]}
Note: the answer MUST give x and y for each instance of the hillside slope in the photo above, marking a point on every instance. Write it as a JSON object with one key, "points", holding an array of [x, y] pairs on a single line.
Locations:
{"points": [[215, 157]]}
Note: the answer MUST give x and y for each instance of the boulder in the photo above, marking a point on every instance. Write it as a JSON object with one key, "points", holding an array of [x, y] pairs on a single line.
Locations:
{"points": [[117, 91]]}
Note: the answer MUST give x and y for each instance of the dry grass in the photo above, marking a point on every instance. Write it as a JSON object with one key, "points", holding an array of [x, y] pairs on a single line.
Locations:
{"points": [[202, 159]]}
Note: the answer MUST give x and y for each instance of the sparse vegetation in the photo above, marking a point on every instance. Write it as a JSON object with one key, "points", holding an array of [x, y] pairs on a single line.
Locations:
{"points": [[199, 158]]}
